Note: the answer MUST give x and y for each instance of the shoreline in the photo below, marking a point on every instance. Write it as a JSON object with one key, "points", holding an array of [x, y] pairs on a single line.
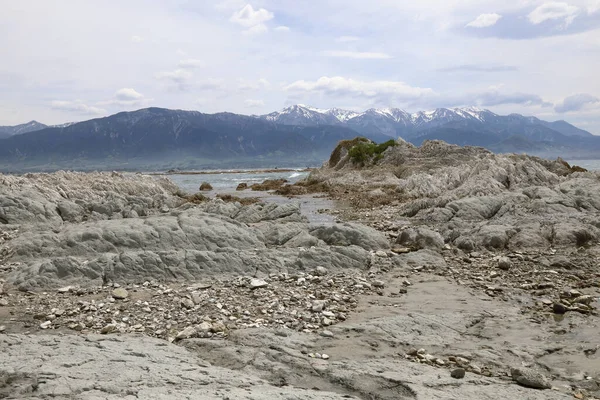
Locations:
{"points": [[236, 171]]}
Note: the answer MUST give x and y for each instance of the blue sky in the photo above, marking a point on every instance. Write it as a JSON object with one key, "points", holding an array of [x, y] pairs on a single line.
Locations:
{"points": [[71, 60]]}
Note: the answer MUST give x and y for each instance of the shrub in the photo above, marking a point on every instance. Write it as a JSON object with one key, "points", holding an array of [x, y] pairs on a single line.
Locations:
{"points": [[206, 186], [362, 152]]}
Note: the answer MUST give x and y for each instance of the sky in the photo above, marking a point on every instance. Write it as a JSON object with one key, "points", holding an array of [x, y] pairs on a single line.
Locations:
{"points": [[73, 60]]}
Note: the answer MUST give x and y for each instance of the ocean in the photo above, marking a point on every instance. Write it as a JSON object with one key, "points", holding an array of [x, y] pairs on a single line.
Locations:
{"points": [[225, 181], [592, 165]]}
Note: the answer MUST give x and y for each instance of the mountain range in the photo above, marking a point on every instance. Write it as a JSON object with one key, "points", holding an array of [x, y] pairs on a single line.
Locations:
{"points": [[395, 122], [156, 138]]}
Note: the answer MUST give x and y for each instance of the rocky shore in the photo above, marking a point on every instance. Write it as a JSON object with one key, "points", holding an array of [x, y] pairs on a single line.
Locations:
{"points": [[453, 273]]}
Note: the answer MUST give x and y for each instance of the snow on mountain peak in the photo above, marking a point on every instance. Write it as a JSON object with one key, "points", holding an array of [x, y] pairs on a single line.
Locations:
{"points": [[334, 115]]}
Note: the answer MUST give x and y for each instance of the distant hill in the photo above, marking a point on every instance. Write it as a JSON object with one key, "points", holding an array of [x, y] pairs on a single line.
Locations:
{"points": [[155, 138], [6, 131], [464, 126]]}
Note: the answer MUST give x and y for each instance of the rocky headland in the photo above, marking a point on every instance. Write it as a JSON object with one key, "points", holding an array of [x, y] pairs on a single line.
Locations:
{"points": [[452, 273]]}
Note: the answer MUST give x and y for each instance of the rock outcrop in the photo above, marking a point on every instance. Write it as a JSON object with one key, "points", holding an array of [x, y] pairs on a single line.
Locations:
{"points": [[78, 229], [475, 199]]}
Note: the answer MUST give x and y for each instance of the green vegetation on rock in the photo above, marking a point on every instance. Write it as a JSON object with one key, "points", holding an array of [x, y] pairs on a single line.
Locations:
{"points": [[362, 152]]}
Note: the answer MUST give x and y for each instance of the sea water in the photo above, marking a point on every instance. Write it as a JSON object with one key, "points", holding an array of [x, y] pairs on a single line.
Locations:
{"points": [[226, 180], [591, 165]]}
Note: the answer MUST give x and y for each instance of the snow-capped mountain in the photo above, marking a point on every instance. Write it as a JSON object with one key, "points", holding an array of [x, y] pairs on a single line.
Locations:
{"points": [[31, 126], [395, 122], [302, 115]]}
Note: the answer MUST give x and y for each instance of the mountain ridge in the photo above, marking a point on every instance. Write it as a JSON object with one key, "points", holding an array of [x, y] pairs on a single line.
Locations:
{"points": [[155, 138]]}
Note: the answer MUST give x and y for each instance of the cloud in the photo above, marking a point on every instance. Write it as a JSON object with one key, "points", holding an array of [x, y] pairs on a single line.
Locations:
{"points": [[210, 84], [340, 86], [76, 106], [485, 20], [479, 68], [128, 94], [251, 103], [252, 20], [346, 39], [137, 39], [191, 63], [262, 83], [256, 30], [553, 11], [576, 102], [494, 97], [126, 97], [593, 6], [282, 28], [357, 55], [178, 75]]}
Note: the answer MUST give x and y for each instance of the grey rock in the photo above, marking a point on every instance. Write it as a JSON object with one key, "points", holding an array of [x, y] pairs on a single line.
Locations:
{"points": [[347, 234], [504, 263], [530, 378], [120, 294], [319, 305], [187, 303], [257, 283], [110, 328], [420, 238], [187, 333], [458, 373], [559, 308]]}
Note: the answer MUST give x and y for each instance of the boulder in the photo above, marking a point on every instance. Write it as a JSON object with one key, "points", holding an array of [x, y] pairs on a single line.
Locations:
{"points": [[347, 234], [420, 238]]}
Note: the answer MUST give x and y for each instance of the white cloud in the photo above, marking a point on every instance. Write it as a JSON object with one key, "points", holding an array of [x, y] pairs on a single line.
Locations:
{"points": [[340, 86], [177, 76], [577, 102], [282, 28], [256, 30], [357, 55], [252, 20], [137, 39], [210, 84], [191, 63], [76, 106], [262, 83], [251, 103], [553, 11], [126, 97], [346, 39], [485, 20], [593, 6], [128, 94]]}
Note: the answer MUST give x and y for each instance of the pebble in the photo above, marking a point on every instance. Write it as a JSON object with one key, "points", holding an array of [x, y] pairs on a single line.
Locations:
{"points": [[458, 373], [110, 328], [530, 378], [65, 289], [559, 308], [327, 334], [120, 293], [187, 333], [46, 325], [320, 271], [504, 263], [256, 283], [378, 284]]}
